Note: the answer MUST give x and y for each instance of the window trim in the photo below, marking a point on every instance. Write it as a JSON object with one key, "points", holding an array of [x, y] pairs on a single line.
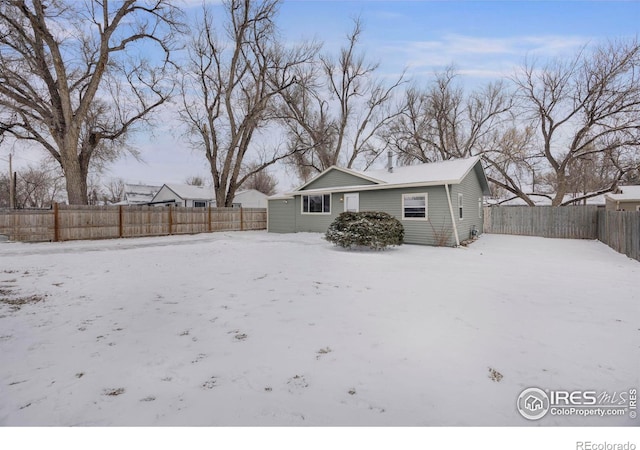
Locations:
{"points": [[426, 205], [323, 212], [460, 206]]}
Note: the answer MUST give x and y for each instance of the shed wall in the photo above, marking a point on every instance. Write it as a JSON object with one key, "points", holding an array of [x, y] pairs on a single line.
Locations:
{"points": [[281, 216], [632, 206]]}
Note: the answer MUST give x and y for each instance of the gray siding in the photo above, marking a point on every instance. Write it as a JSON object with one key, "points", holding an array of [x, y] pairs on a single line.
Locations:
{"points": [[437, 229], [317, 223], [336, 178], [471, 193], [281, 216]]}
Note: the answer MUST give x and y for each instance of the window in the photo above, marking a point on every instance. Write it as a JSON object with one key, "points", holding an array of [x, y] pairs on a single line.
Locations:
{"points": [[197, 204], [316, 204], [414, 206], [460, 202]]}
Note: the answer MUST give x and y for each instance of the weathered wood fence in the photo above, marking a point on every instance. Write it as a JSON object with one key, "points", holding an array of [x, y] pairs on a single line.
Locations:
{"points": [[64, 223], [569, 222], [619, 230]]}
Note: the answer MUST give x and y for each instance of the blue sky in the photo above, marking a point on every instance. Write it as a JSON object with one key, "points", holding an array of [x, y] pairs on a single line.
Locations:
{"points": [[484, 39]]}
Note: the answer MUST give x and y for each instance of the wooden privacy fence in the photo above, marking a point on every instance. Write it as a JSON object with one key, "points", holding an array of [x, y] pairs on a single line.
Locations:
{"points": [[569, 222], [619, 230], [64, 223]]}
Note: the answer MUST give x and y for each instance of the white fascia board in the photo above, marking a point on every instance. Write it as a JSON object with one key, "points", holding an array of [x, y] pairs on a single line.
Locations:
{"points": [[281, 197]]}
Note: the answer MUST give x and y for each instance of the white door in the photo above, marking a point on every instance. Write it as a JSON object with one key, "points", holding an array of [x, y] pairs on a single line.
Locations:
{"points": [[352, 202]]}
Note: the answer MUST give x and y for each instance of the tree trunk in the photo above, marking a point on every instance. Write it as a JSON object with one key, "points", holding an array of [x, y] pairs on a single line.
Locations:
{"points": [[76, 183], [561, 189], [76, 180]]}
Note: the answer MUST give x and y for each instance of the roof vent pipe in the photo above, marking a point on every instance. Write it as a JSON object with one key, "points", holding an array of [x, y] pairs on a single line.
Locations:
{"points": [[390, 161]]}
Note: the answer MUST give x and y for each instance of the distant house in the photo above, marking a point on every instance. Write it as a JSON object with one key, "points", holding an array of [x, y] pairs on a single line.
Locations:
{"points": [[624, 198], [438, 203], [250, 198], [138, 194], [183, 195], [201, 196]]}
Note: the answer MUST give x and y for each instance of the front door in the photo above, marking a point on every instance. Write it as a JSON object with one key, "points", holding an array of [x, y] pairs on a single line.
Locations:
{"points": [[352, 202]]}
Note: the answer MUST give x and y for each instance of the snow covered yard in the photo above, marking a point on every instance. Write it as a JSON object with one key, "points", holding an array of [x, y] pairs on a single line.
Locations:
{"points": [[261, 329]]}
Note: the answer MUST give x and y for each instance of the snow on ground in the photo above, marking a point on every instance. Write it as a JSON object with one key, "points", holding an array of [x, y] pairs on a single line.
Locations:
{"points": [[263, 329]]}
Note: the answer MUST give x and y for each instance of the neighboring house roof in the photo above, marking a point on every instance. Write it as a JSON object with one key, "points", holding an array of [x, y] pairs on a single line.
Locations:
{"points": [[626, 194], [139, 193], [429, 174], [190, 192]]}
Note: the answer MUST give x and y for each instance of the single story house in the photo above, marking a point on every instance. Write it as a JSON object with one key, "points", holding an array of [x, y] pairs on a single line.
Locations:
{"points": [[624, 198], [184, 195], [438, 203]]}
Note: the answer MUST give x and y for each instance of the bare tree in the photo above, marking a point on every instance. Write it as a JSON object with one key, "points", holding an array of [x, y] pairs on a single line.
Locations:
{"points": [[441, 122], [229, 87], [195, 180], [337, 110], [37, 186], [113, 191], [75, 78], [261, 181], [587, 113]]}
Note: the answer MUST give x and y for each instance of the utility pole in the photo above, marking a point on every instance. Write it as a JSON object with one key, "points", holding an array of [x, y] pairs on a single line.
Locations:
{"points": [[12, 204]]}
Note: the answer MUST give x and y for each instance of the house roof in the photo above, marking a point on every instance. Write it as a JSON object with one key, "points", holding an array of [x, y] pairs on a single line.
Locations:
{"points": [[189, 192], [442, 172], [139, 193], [626, 194], [429, 174]]}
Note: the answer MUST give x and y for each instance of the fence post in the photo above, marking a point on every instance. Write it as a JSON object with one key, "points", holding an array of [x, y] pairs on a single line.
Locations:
{"points": [[170, 219], [209, 219], [120, 221], [56, 223], [241, 220]]}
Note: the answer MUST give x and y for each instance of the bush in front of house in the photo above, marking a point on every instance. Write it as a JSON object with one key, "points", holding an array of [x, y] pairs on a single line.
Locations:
{"points": [[373, 229]]}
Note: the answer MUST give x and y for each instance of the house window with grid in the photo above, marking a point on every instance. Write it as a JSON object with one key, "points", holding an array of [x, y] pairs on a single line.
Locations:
{"points": [[316, 204], [414, 206]]}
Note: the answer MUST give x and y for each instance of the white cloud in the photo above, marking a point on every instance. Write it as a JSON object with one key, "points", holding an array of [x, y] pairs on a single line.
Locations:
{"points": [[479, 56]]}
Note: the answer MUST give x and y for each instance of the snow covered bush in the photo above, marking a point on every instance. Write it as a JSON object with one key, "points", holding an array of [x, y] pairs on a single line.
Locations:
{"points": [[373, 229]]}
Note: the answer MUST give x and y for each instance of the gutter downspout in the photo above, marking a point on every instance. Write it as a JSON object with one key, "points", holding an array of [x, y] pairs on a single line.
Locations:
{"points": [[453, 219]]}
